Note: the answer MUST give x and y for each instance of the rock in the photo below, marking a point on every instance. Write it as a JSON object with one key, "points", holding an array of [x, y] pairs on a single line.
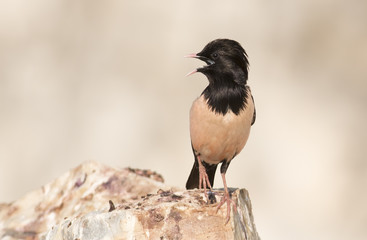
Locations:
{"points": [[94, 201]]}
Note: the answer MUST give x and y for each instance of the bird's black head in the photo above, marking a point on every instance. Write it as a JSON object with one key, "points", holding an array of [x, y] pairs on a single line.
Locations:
{"points": [[227, 71], [226, 61]]}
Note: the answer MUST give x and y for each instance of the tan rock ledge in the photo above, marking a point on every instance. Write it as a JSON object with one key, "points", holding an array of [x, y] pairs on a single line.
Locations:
{"points": [[94, 201]]}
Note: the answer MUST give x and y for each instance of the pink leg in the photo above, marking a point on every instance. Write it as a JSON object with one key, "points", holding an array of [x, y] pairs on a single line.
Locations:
{"points": [[227, 198], [203, 177]]}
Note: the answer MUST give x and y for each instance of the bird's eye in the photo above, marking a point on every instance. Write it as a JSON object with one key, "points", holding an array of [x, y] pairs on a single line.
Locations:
{"points": [[215, 55]]}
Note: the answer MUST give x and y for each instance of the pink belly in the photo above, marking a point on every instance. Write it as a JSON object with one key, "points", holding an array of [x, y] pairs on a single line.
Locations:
{"points": [[217, 137]]}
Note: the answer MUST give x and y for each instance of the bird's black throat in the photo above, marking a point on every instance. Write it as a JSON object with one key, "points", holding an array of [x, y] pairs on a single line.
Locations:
{"points": [[226, 96]]}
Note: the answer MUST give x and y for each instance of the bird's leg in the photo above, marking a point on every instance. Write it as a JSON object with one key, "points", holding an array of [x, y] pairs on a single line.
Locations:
{"points": [[226, 197], [203, 177]]}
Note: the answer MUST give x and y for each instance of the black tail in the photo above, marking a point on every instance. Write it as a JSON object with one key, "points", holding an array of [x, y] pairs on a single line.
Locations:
{"points": [[193, 180]]}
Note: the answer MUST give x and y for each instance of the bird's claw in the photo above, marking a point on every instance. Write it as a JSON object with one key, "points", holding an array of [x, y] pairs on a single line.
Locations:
{"points": [[227, 199], [204, 181]]}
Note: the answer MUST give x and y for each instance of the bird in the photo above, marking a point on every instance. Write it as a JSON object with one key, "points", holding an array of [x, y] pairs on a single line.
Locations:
{"points": [[222, 116]]}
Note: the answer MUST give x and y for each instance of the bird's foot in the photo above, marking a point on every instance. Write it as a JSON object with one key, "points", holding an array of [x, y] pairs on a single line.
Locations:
{"points": [[204, 181], [227, 198]]}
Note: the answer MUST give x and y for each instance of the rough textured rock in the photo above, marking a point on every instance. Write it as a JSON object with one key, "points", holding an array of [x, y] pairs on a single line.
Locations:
{"points": [[94, 201]]}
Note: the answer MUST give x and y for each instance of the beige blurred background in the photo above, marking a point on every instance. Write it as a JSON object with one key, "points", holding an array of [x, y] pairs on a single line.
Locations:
{"points": [[104, 80]]}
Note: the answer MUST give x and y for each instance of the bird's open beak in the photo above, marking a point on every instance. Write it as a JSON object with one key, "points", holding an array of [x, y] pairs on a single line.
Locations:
{"points": [[202, 58]]}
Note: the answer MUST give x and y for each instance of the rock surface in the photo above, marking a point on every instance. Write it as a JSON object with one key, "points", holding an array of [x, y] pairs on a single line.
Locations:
{"points": [[94, 201]]}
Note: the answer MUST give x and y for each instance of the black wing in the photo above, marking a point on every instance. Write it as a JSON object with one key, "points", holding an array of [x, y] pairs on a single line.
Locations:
{"points": [[253, 116]]}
